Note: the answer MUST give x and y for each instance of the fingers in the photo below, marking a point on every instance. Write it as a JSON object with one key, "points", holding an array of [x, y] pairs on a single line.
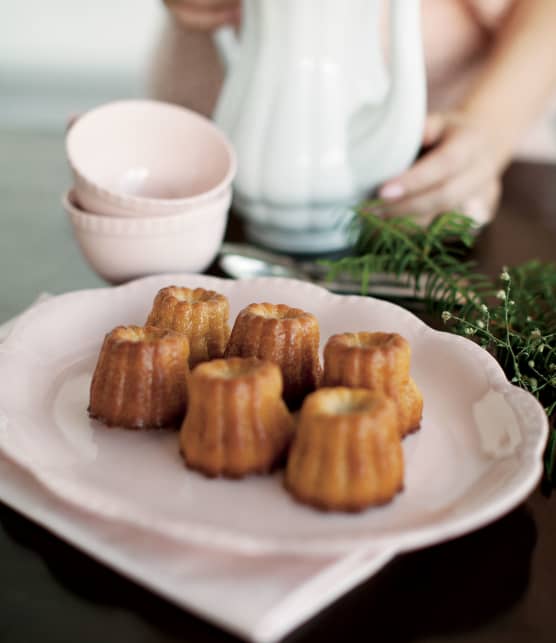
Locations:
{"points": [[482, 207], [455, 139], [435, 125], [445, 161], [203, 5], [464, 192], [412, 181], [208, 4], [205, 15]]}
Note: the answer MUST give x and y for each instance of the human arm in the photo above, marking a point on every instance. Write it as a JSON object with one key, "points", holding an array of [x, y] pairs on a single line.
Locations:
{"points": [[205, 15], [186, 67], [470, 147]]}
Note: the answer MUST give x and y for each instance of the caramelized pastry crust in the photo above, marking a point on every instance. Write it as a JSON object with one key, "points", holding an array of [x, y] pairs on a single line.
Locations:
{"points": [[286, 336], [377, 361], [200, 314], [140, 378], [346, 453], [237, 422]]}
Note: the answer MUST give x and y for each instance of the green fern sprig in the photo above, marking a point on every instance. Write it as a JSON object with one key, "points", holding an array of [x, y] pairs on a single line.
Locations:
{"points": [[515, 319], [419, 257]]}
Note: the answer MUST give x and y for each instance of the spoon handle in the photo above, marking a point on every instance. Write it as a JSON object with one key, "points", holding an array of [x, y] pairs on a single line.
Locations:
{"points": [[252, 252], [380, 285]]}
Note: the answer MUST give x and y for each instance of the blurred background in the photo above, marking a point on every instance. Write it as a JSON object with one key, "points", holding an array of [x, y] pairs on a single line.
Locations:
{"points": [[57, 58], [60, 57]]}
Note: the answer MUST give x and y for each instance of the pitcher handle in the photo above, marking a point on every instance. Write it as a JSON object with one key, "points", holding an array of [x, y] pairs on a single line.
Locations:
{"points": [[227, 45]]}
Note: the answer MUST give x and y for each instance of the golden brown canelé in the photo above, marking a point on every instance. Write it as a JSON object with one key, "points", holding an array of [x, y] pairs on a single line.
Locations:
{"points": [[286, 336], [200, 314], [237, 422], [377, 361], [140, 378], [346, 453]]}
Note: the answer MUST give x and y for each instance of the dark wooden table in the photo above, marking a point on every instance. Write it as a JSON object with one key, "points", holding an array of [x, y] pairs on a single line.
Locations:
{"points": [[497, 584]]}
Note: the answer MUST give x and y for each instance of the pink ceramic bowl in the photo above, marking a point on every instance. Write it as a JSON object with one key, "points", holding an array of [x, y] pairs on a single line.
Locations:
{"points": [[123, 248], [147, 158]]}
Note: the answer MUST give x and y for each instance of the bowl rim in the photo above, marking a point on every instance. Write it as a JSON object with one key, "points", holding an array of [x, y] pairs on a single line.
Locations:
{"points": [[141, 226], [141, 202]]}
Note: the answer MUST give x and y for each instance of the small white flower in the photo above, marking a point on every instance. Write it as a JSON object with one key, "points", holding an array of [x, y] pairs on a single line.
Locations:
{"points": [[505, 275], [501, 294], [529, 318], [541, 348], [446, 315], [511, 302], [536, 333], [484, 309], [469, 331], [533, 382], [531, 363], [481, 323]]}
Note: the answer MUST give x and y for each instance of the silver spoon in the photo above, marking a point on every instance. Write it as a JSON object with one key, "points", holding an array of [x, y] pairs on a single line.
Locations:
{"points": [[243, 261]]}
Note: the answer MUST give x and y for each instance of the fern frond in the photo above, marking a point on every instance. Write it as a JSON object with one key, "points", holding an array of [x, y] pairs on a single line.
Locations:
{"points": [[515, 319], [418, 256]]}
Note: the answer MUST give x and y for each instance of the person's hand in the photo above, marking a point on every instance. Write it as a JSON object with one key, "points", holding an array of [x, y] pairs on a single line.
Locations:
{"points": [[461, 171], [205, 15]]}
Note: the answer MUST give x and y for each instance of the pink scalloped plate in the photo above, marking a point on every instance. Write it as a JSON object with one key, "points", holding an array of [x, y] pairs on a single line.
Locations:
{"points": [[478, 453]]}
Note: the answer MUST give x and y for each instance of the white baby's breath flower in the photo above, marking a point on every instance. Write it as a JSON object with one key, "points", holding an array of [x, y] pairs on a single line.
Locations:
{"points": [[531, 363], [480, 323], [446, 315], [469, 331], [536, 333], [484, 309], [505, 275], [501, 294]]}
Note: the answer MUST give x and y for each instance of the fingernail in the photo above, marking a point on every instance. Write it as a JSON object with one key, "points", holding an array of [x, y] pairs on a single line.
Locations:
{"points": [[392, 191]]}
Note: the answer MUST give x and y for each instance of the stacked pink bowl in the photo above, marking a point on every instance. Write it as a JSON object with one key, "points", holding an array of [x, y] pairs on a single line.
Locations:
{"points": [[152, 188]]}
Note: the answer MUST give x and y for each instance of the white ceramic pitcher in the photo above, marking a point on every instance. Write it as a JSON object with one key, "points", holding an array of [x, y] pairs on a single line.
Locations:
{"points": [[318, 118]]}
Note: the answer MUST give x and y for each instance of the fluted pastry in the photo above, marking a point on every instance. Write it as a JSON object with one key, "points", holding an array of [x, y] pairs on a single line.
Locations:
{"points": [[286, 336], [377, 361], [346, 453], [140, 378], [200, 314], [237, 422]]}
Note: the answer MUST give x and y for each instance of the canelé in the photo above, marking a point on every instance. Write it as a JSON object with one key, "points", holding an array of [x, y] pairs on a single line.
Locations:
{"points": [[202, 315], [140, 378], [237, 422], [286, 336], [346, 453], [377, 361]]}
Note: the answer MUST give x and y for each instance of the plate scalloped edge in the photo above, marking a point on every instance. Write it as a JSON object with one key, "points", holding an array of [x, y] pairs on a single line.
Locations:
{"points": [[533, 423]]}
